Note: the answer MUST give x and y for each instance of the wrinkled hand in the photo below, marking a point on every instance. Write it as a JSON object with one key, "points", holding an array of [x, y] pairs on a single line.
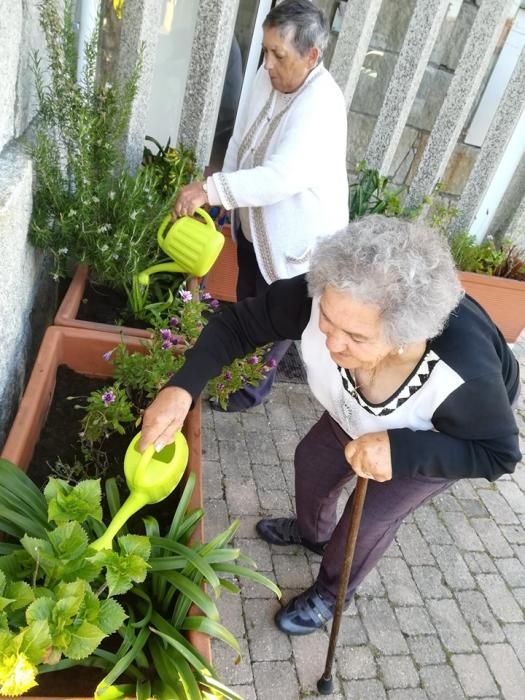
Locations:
{"points": [[369, 456], [190, 198], [164, 417]]}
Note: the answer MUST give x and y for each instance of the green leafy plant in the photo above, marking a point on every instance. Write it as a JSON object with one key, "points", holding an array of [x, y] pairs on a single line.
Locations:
{"points": [[57, 592], [371, 194], [245, 371], [176, 166], [488, 258]]}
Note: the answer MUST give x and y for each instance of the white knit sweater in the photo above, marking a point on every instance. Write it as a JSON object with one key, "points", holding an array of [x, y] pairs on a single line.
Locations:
{"points": [[286, 163]]}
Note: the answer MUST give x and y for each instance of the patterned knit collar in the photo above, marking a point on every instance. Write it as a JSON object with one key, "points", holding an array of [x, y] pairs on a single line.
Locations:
{"points": [[420, 374]]}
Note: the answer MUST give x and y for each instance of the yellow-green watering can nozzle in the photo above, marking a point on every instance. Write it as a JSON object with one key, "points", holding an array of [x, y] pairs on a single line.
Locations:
{"points": [[151, 476]]}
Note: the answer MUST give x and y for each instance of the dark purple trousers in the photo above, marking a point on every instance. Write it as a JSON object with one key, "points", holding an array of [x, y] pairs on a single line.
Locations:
{"points": [[321, 471], [250, 283]]}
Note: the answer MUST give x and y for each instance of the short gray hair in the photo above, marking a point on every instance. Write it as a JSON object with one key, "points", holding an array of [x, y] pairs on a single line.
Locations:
{"points": [[403, 267], [308, 23]]}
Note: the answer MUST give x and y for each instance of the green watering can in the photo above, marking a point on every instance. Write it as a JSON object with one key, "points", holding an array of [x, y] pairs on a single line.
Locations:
{"points": [[151, 477], [192, 245]]}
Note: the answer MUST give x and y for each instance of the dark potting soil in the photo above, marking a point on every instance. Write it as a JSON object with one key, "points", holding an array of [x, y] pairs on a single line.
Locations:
{"points": [[103, 304], [58, 449]]}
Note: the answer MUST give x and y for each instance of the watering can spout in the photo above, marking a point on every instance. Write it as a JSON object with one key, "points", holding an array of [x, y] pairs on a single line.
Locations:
{"points": [[150, 477]]}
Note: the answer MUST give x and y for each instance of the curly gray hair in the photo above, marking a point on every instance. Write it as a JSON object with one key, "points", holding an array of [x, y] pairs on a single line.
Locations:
{"points": [[404, 268], [309, 25]]}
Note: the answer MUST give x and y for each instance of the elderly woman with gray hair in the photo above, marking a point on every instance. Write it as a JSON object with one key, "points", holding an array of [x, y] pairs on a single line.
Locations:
{"points": [[284, 172], [416, 381]]}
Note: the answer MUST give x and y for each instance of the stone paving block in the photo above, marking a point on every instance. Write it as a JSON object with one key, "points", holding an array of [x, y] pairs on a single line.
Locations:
{"points": [[474, 675], [499, 598], [303, 427], [398, 672], [507, 670], [398, 582], [275, 680], [241, 496], [463, 534], [254, 422], [414, 621], [292, 572], [520, 553], [407, 694], [413, 547], [289, 475], [372, 586], [462, 489], [258, 550], [474, 509], [446, 502], [247, 527], [515, 634], [451, 626], [231, 613], [224, 660], [285, 443], [515, 534], [382, 626], [479, 563], [216, 518], [512, 571], [453, 567], [514, 496], [251, 589], [269, 476], [280, 416], [265, 641], [352, 632], [302, 405], [356, 662], [429, 580], [234, 459], [483, 624], [393, 551], [212, 480], [247, 692], [519, 595], [426, 650], [431, 526], [275, 502], [490, 535], [261, 449], [210, 445], [498, 507], [309, 653], [369, 689], [439, 682], [228, 426]]}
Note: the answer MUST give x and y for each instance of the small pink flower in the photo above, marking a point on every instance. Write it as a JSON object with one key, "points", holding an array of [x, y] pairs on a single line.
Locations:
{"points": [[214, 303], [174, 321], [107, 355], [252, 360], [185, 295], [220, 386], [165, 334], [206, 296], [166, 345], [271, 363], [227, 376]]}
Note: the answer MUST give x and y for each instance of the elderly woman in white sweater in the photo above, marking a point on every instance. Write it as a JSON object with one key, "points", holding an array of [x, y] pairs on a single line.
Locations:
{"points": [[285, 168]]}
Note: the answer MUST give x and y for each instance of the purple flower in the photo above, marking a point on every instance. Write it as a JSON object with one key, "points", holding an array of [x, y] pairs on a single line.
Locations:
{"points": [[227, 376], [174, 321], [206, 296], [108, 397], [166, 345], [107, 355], [220, 387], [271, 363], [252, 360], [185, 295], [165, 334], [214, 303]]}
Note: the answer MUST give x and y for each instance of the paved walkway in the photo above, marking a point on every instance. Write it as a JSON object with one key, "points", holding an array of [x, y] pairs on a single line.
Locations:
{"points": [[442, 616]]}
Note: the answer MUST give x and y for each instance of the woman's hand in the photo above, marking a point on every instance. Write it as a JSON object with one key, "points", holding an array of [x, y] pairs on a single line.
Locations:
{"points": [[369, 456], [190, 198], [164, 417]]}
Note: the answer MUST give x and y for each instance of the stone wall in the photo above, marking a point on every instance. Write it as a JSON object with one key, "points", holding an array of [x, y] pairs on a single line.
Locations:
{"points": [[22, 274]]}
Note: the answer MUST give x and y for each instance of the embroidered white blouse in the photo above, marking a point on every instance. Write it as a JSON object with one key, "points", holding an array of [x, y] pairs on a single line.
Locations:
{"points": [[285, 171]]}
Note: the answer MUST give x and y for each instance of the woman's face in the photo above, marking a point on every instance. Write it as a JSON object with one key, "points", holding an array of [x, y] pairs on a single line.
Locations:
{"points": [[285, 65], [353, 331]]}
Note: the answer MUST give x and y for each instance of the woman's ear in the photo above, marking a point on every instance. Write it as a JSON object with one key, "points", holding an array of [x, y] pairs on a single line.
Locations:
{"points": [[313, 56]]}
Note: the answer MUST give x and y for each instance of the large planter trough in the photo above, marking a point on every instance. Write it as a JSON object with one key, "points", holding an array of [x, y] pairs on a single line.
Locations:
{"points": [[82, 352]]}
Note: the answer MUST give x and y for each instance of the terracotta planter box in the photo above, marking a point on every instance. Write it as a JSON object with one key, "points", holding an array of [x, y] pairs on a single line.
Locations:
{"points": [[82, 352], [503, 299], [221, 281]]}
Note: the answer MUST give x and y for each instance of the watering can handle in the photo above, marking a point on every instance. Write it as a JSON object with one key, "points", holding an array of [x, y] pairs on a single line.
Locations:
{"points": [[145, 459], [167, 219]]}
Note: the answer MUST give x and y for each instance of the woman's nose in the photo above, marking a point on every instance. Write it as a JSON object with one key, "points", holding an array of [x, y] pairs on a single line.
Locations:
{"points": [[335, 342]]}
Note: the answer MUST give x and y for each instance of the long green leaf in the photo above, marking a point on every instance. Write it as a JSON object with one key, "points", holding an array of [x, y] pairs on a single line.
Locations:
{"points": [[15, 483], [126, 661], [189, 524], [112, 496], [226, 692], [194, 593], [181, 648], [194, 558], [181, 507], [164, 626], [187, 676], [198, 623], [22, 523], [239, 571]]}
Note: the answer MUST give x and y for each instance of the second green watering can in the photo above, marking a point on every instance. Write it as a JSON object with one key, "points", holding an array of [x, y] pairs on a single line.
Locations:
{"points": [[192, 245], [151, 476]]}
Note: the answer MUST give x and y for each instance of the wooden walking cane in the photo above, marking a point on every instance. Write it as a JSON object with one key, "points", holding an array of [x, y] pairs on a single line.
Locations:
{"points": [[325, 683]]}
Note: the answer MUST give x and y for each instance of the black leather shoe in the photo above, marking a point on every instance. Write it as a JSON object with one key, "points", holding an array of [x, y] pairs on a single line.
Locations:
{"points": [[306, 613], [284, 531]]}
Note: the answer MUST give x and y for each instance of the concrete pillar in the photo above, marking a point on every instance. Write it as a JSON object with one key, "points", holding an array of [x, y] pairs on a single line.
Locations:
{"points": [[209, 58], [461, 94], [496, 141], [516, 228], [421, 35], [352, 44], [140, 28]]}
